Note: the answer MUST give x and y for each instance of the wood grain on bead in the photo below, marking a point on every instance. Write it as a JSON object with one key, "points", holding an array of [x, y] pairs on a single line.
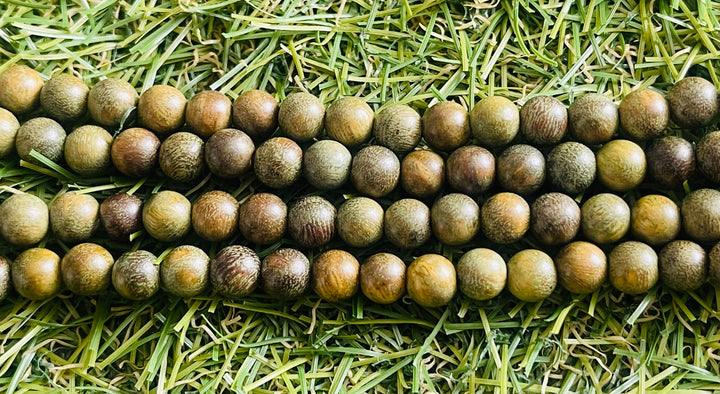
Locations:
{"points": [[407, 223], [74, 217], [349, 120], [375, 171], [554, 219], [262, 218], [422, 173], [521, 169], [182, 157], [505, 217], [446, 126], [228, 153], [36, 274], [382, 278], [655, 219], [571, 167], [87, 269], [208, 112], [543, 120], [700, 213], [481, 273], [184, 271], [644, 114], [215, 215], [326, 164], [398, 128], [581, 267], [43, 135], [301, 116], [693, 102], [455, 219], [285, 274], [9, 126], [335, 275], [235, 272], [360, 222], [64, 97], [20, 88], [621, 165], [593, 119], [256, 113], [121, 215], [683, 265], [110, 100], [134, 152], [633, 267], [278, 162], [24, 219], [162, 109], [470, 170], [605, 218], [167, 216], [311, 221], [87, 150], [135, 275], [431, 280], [495, 121]]}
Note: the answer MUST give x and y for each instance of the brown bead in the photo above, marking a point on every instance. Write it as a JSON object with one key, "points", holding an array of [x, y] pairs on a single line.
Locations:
{"points": [[633, 267], [431, 280], [375, 171], [182, 157], [162, 109], [256, 113], [644, 114], [407, 223], [215, 216], [228, 153], [471, 170], [349, 120], [36, 274], [87, 269], [74, 217], [278, 162], [262, 218], [543, 120], [505, 218], [455, 219], [301, 116], [446, 126], [398, 128], [422, 173], [20, 88], [521, 169], [382, 278], [65, 97], [110, 100], [208, 112], [311, 221], [335, 275], [285, 274], [554, 219], [581, 267], [134, 152], [121, 215], [593, 119], [235, 271]]}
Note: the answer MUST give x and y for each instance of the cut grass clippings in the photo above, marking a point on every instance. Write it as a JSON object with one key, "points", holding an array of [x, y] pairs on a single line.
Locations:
{"points": [[406, 51]]}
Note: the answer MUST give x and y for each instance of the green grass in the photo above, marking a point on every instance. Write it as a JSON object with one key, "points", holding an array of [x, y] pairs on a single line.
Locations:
{"points": [[395, 51]]}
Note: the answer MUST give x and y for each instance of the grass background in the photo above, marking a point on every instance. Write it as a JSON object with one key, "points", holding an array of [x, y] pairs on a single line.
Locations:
{"points": [[384, 51]]}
